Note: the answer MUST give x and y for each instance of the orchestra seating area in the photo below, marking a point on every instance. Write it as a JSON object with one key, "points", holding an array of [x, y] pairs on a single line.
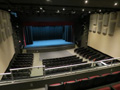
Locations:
{"points": [[89, 82], [21, 61], [64, 61]]}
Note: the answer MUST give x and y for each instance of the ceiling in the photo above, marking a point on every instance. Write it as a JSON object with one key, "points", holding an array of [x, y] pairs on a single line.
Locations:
{"points": [[70, 6]]}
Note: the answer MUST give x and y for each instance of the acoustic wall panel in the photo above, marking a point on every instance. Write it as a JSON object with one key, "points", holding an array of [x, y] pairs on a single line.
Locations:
{"points": [[91, 16], [100, 16], [105, 19], [94, 29], [104, 30], [99, 27], [113, 16], [118, 21], [95, 19], [111, 28], [6, 30], [0, 35], [91, 26]]}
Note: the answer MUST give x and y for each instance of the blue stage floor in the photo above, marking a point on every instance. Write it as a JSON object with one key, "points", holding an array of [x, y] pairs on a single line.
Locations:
{"points": [[46, 43]]}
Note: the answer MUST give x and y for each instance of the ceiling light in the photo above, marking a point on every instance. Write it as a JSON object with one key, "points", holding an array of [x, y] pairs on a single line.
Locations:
{"points": [[89, 12], [41, 8], [58, 11], [115, 4], [83, 10], [73, 12], [99, 10], [86, 1], [37, 11], [63, 9], [48, 0], [9, 10]]}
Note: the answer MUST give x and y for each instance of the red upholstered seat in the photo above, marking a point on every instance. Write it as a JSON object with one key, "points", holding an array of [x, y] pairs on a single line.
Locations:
{"points": [[94, 76], [105, 74], [56, 84], [105, 88], [69, 82], [116, 72], [82, 79], [116, 87]]}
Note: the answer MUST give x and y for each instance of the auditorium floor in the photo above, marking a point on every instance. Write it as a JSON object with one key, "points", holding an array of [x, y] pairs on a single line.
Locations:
{"points": [[37, 61]]}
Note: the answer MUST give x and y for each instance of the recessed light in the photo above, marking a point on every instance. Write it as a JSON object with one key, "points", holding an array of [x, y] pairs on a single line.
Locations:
{"points": [[41, 8], [37, 11], [73, 12], [9, 10], [58, 11], [48, 0], [83, 10], [86, 1], [63, 9], [89, 12], [115, 4], [100, 10]]}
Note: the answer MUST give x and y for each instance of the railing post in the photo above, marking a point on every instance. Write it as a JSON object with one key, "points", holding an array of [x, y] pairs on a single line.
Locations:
{"points": [[71, 69], [12, 77]]}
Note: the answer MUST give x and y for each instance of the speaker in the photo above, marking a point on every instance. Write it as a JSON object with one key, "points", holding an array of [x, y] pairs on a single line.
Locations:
{"points": [[105, 30], [112, 28], [99, 27]]}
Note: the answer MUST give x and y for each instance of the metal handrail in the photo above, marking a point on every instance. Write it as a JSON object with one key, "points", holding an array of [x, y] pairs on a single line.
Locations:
{"points": [[5, 73], [111, 59], [15, 69], [67, 66]]}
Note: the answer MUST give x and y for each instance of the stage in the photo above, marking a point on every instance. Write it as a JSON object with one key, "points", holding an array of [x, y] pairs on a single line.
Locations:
{"points": [[49, 45]]}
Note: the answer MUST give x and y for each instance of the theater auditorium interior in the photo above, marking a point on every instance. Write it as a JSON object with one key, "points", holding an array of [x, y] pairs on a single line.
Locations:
{"points": [[59, 44]]}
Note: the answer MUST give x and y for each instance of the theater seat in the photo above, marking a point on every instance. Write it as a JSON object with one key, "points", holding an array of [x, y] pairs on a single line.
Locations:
{"points": [[94, 77], [116, 87], [69, 82], [82, 79], [105, 74], [105, 88], [71, 85], [56, 86]]}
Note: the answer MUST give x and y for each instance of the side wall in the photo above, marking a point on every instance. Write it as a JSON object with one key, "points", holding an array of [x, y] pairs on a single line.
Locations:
{"points": [[106, 43]]}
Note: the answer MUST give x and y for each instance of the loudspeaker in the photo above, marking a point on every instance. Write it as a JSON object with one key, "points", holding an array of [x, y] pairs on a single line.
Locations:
{"points": [[112, 28]]}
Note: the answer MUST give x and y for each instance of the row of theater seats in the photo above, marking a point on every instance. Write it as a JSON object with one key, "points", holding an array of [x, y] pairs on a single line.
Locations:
{"points": [[57, 62], [64, 61], [112, 87], [87, 83], [90, 54], [21, 61]]}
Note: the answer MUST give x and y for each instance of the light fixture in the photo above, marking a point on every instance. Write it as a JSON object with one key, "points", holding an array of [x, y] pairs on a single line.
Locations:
{"points": [[58, 11], [86, 1], [48, 0], [83, 10], [41, 8], [89, 12], [37, 11], [115, 4], [63, 9], [9, 10], [73, 12], [100, 10]]}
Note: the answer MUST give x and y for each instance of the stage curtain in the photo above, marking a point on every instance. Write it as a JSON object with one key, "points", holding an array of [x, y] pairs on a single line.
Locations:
{"points": [[47, 32], [67, 33], [28, 35]]}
